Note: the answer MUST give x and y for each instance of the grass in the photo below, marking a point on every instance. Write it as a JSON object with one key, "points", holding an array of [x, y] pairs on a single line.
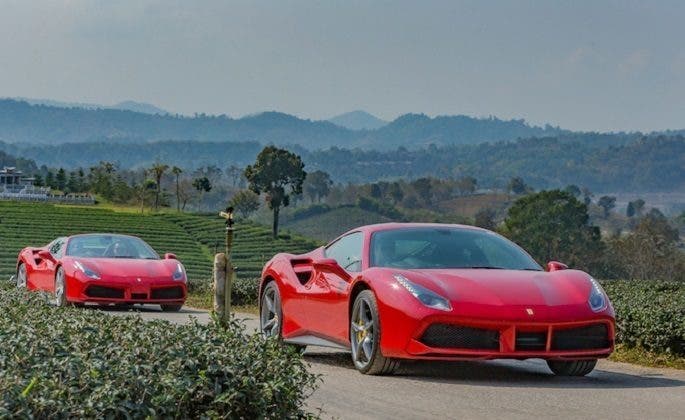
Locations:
{"points": [[643, 357]]}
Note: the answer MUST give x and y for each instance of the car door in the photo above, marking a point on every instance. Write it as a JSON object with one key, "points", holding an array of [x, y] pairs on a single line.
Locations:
{"points": [[46, 267], [328, 292]]}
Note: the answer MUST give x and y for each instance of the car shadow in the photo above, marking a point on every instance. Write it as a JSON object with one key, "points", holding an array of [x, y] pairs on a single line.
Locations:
{"points": [[505, 373]]}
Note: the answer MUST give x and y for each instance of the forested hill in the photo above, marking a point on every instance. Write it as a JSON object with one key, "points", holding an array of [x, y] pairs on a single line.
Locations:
{"points": [[602, 163], [23, 123]]}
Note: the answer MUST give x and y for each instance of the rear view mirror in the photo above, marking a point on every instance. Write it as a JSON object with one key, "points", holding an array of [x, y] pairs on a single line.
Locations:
{"points": [[170, 256], [329, 265], [556, 266]]}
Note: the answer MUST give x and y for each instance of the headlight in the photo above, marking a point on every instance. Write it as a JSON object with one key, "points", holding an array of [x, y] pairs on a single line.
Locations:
{"points": [[179, 272], [425, 296], [87, 271], [597, 299]]}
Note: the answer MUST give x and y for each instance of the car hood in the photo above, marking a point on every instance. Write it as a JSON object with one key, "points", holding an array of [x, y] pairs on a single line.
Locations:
{"points": [[124, 267], [506, 287]]}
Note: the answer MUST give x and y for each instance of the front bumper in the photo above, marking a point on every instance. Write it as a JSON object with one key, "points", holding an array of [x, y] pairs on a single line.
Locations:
{"points": [[134, 290], [464, 339]]}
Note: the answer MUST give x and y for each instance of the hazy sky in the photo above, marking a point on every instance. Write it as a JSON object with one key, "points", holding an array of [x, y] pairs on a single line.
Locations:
{"points": [[589, 65]]}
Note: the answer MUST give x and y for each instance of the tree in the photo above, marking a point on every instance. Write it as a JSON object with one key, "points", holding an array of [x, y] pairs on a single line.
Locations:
{"points": [[485, 218], [278, 173], [395, 192], [317, 185], [639, 206], [246, 202], [177, 173], [573, 190], [234, 173], [553, 225], [185, 192], [466, 185], [650, 252], [630, 210], [422, 186], [38, 180], [50, 180], [61, 179], [72, 184], [157, 170], [517, 186], [587, 196], [143, 190], [202, 185], [607, 203]]}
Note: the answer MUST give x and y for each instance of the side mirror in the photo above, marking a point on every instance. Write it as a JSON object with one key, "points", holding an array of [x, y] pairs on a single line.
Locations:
{"points": [[46, 255], [556, 266], [329, 265], [170, 256]]}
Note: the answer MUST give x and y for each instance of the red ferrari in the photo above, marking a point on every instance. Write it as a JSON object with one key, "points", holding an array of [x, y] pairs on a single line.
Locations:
{"points": [[105, 269], [393, 292]]}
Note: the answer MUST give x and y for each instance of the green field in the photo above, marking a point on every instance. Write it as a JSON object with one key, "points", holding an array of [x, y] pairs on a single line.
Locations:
{"points": [[333, 223], [193, 238]]}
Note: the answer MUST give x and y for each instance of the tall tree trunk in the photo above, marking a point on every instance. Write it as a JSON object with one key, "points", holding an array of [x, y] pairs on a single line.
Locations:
{"points": [[275, 226], [157, 196]]}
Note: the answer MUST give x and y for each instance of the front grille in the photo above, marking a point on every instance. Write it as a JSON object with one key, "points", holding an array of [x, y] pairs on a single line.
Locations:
{"points": [[455, 336], [139, 296], [104, 292], [531, 341], [168, 293], [584, 338]]}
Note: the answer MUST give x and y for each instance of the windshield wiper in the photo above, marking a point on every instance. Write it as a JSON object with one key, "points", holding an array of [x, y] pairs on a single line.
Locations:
{"points": [[485, 267], [125, 256]]}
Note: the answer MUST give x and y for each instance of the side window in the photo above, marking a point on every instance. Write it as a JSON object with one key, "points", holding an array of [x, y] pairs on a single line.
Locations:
{"points": [[57, 248], [347, 251]]}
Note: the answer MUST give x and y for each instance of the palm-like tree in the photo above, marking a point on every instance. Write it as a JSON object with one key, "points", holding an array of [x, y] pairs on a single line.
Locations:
{"points": [[177, 171], [158, 170]]}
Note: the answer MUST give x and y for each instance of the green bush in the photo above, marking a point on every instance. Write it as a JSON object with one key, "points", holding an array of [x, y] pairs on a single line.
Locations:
{"points": [[649, 314], [69, 362], [243, 290]]}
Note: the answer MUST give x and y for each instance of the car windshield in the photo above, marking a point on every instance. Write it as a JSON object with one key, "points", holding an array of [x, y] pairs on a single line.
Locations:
{"points": [[447, 247], [110, 246]]}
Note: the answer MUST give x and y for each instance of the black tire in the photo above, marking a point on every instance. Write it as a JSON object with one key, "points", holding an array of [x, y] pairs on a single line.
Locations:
{"points": [[271, 315], [167, 307], [124, 306], [365, 337], [571, 367], [60, 290]]}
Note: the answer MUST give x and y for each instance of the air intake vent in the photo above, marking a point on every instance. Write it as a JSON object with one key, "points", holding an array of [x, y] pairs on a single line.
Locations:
{"points": [[455, 336], [584, 338], [531, 341]]}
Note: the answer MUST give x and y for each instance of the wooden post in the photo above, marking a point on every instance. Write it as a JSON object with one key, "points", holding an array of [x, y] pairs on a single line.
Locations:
{"points": [[220, 288], [223, 273]]}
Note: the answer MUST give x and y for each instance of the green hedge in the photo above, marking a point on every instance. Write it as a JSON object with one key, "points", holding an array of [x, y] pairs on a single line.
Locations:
{"points": [[649, 314], [70, 362]]}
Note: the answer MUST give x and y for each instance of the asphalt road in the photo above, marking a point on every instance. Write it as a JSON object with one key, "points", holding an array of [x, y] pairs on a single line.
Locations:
{"points": [[502, 389]]}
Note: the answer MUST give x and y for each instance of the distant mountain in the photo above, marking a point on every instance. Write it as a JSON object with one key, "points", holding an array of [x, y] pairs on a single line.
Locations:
{"points": [[21, 122], [358, 120], [123, 106], [141, 107]]}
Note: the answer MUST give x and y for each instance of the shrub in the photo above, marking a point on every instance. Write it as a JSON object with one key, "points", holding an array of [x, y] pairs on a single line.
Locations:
{"points": [[68, 362], [243, 290], [649, 314]]}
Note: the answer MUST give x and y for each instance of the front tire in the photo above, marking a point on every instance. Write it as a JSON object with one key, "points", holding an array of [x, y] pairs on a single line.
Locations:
{"points": [[170, 308], [571, 367], [271, 315], [60, 288], [365, 337]]}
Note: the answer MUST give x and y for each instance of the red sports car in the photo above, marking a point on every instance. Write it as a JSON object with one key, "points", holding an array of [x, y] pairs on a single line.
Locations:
{"points": [[398, 291], [103, 268]]}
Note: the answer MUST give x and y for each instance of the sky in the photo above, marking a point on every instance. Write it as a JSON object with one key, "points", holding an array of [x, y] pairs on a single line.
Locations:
{"points": [[583, 65]]}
